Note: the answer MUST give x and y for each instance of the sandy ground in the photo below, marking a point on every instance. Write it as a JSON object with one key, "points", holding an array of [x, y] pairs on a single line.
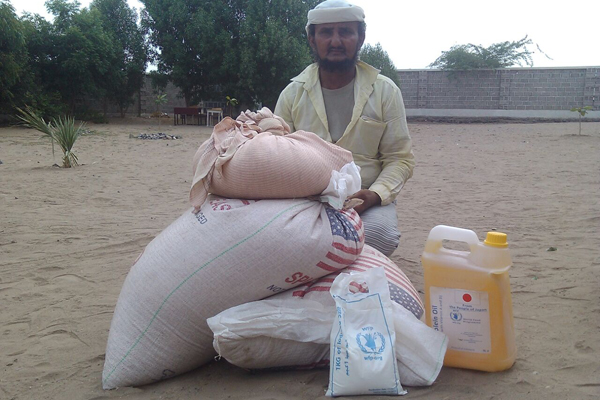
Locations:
{"points": [[69, 236]]}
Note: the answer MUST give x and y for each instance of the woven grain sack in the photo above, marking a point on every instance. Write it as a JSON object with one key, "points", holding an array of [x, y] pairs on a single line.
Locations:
{"points": [[229, 253], [256, 157], [401, 288], [292, 329]]}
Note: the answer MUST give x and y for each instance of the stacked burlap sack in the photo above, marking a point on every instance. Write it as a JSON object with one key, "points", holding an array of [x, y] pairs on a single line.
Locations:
{"points": [[292, 329], [267, 217]]}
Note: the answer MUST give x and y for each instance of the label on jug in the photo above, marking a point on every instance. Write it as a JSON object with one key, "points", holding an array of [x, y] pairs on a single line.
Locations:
{"points": [[464, 316]]}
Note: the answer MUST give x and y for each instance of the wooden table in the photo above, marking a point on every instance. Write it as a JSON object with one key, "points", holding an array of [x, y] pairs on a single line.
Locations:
{"points": [[181, 114]]}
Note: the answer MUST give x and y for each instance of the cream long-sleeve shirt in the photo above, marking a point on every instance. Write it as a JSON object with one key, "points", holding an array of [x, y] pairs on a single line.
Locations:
{"points": [[377, 134]]}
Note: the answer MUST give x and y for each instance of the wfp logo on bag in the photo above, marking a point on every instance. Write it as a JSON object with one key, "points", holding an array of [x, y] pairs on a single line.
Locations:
{"points": [[371, 343]]}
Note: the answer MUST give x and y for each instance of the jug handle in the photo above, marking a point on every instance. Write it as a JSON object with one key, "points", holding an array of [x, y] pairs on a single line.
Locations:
{"points": [[443, 232]]}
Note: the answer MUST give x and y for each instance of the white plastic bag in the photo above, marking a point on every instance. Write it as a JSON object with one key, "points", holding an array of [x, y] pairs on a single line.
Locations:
{"points": [[342, 184], [363, 359]]}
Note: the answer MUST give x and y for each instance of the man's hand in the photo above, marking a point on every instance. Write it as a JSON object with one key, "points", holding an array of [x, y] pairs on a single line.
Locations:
{"points": [[369, 199]]}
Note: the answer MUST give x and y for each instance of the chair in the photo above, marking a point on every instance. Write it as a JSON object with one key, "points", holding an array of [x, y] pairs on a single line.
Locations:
{"points": [[214, 112]]}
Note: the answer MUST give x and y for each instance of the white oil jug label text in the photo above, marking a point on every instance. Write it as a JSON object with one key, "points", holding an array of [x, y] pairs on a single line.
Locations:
{"points": [[464, 316]]}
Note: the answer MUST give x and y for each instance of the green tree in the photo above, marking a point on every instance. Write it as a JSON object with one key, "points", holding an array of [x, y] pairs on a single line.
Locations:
{"points": [[24, 46], [273, 48], [80, 57], [247, 47], [498, 55], [120, 22], [379, 58], [158, 81], [187, 41], [13, 56], [36, 89]]}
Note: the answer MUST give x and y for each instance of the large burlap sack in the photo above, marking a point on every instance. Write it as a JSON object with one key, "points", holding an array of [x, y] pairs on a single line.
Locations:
{"points": [[229, 253], [402, 290], [292, 329], [256, 157]]}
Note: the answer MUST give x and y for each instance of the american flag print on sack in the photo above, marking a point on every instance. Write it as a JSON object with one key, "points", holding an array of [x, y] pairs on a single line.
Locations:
{"points": [[402, 290], [348, 239]]}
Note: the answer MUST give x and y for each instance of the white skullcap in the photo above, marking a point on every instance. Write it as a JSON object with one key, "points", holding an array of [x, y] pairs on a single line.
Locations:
{"points": [[331, 11]]}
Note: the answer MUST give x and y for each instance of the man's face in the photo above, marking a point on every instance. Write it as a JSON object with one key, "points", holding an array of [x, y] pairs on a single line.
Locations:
{"points": [[336, 45]]}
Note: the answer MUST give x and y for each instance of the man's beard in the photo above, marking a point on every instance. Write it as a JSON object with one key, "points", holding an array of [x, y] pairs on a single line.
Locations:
{"points": [[337, 66]]}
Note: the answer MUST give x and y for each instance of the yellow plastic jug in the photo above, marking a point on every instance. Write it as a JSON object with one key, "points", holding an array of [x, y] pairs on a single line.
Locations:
{"points": [[467, 297]]}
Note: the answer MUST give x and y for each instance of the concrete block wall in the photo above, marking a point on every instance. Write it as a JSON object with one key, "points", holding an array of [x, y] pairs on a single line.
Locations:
{"points": [[509, 89], [591, 90], [547, 89], [409, 85], [509, 92]]}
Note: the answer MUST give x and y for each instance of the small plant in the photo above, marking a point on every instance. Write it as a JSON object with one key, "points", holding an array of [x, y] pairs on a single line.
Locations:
{"points": [[230, 103], [62, 131], [581, 111], [160, 99]]}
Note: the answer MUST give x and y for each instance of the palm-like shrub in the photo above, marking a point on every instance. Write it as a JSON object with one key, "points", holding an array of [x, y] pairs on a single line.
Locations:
{"points": [[62, 131]]}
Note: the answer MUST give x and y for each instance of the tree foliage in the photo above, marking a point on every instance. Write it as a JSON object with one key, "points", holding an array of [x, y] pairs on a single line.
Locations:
{"points": [[83, 55], [13, 55], [97, 52], [127, 74], [246, 48], [273, 48], [379, 58], [191, 42], [498, 55], [36, 89], [158, 81]]}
